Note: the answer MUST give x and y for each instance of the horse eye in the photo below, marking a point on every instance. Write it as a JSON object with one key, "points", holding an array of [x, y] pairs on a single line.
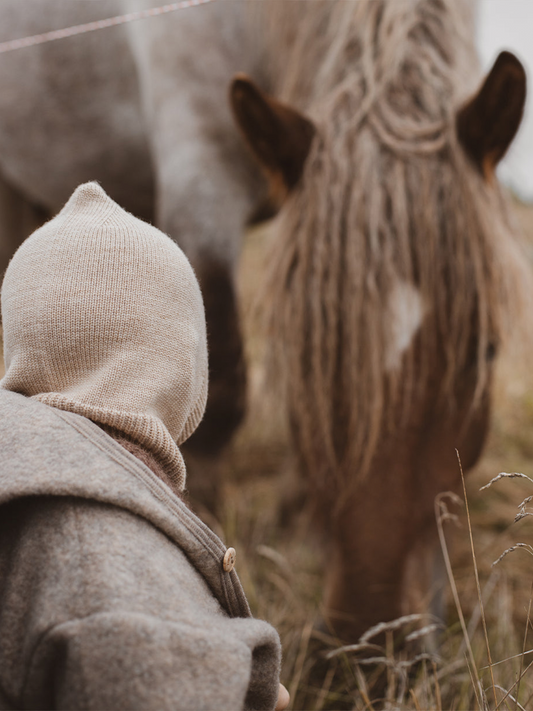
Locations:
{"points": [[491, 352]]}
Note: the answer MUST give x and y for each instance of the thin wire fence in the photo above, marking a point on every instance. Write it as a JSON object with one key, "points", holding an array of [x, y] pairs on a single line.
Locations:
{"points": [[52, 36]]}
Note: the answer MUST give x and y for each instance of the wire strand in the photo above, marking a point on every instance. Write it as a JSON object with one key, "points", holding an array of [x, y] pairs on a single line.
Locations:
{"points": [[52, 36]]}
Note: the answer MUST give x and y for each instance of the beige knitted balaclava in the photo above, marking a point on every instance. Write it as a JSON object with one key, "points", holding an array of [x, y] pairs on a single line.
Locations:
{"points": [[103, 316]]}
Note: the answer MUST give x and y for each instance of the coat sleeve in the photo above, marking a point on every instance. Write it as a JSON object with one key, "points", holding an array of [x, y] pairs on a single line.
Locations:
{"points": [[100, 610], [134, 661]]}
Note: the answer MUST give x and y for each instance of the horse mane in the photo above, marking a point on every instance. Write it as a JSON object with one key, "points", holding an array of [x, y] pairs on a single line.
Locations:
{"points": [[388, 200]]}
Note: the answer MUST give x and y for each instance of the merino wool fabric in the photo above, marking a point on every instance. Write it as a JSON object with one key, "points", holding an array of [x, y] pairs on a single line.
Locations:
{"points": [[103, 316]]}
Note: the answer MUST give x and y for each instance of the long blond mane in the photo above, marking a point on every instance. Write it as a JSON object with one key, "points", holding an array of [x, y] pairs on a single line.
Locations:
{"points": [[387, 198]]}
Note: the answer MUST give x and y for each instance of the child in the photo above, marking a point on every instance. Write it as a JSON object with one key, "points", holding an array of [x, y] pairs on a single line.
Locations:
{"points": [[113, 595]]}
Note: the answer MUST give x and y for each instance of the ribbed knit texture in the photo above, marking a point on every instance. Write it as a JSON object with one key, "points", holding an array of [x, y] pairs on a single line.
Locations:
{"points": [[103, 316]]}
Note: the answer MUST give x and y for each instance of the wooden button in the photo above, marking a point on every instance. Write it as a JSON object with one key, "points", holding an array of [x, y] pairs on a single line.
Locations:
{"points": [[229, 560]]}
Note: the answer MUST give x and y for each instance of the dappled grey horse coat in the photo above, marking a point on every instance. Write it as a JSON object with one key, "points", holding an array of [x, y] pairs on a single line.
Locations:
{"points": [[113, 595]]}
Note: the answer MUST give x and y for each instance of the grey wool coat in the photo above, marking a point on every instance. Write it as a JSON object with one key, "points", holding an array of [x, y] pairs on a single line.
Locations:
{"points": [[113, 595]]}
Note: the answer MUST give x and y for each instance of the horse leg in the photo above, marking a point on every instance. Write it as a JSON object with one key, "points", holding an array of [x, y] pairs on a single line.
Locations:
{"points": [[227, 372], [202, 204], [227, 381]]}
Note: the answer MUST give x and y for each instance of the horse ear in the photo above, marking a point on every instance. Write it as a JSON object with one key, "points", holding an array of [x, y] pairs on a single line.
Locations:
{"points": [[487, 124], [279, 136]]}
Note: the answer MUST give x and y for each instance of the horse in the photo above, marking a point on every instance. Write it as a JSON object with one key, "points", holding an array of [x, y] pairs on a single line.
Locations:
{"points": [[392, 278], [393, 269]]}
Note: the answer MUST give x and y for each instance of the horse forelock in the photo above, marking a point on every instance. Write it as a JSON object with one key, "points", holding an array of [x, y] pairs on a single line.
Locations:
{"points": [[391, 240], [324, 47]]}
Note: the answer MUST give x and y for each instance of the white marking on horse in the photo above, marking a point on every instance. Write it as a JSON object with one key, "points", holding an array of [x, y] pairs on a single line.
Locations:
{"points": [[405, 313]]}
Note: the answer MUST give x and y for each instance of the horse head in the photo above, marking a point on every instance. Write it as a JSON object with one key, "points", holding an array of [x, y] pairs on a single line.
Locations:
{"points": [[390, 285]]}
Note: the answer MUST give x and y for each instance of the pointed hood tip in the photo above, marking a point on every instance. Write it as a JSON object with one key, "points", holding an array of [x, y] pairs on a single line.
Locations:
{"points": [[89, 190], [89, 197]]}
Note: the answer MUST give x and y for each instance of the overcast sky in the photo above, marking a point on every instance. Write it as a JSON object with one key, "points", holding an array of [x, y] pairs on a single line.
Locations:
{"points": [[508, 24]]}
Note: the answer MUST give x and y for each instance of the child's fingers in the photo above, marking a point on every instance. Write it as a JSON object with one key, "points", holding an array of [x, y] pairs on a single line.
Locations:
{"points": [[283, 698]]}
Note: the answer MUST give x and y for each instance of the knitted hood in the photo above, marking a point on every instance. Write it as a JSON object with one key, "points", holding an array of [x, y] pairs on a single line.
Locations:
{"points": [[103, 316]]}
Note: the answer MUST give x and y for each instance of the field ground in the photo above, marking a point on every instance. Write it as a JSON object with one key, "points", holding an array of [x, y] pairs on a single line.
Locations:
{"points": [[280, 566]]}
